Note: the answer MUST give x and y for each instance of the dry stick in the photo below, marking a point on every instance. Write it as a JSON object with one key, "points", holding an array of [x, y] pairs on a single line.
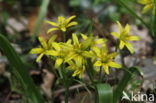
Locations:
{"points": [[7, 98], [57, 92]]}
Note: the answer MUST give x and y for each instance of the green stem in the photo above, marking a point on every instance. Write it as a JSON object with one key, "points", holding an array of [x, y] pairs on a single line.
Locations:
{"points": [[153, 25], [65, 82], [100, 75], [89, 69], [122, 58], [122, 3], [64, 37], [66, 93]]}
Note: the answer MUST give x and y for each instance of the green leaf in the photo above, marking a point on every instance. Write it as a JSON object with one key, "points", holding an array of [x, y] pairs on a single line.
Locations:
{"points": [[20, 71], [153, 22], [40, 19], [104, 93], [132, 12], [90, 70], [124, 82]]}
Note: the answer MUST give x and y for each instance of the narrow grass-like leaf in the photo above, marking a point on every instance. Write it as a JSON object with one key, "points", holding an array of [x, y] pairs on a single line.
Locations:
{"points": [[123, 83], [154, 21], [104, 93], [90, 70], [132, 12], [20, 71], [40, 19], [153, 25]]}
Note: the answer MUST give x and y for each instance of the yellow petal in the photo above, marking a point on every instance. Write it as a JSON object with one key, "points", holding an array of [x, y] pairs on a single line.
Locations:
{"points": [[96, 50], [84, 36], [87, 54], [106, 69], [75, 73], [130, 47], [98, 63], [144, 1], [114, 65], [122, 44], [115, 34], [61, 19], [133, 38], [70, 18], [112, 55], [104, 49], [86, 43], [58, 62], [127, 29], [52, 29], [147, 8], [70, 67], [52, 39], [43, 42], [70, 56], [63, 29], [39, 57], [72, 24], [36, 50], [69, 41], [100, 41], [78, 72], [71, 63], [51, 52], [79, 60], [51, 23], [120, 26], [56, 46], [75, 39]]}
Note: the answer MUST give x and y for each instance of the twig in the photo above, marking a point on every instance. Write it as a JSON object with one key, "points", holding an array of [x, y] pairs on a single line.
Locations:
{"points": [[7, 98], [57, 92]]}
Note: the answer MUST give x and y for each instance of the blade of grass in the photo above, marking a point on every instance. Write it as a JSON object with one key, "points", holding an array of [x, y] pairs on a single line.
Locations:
{"points": [[90, 70], [104, 93], [40, 19], [20, 71], [124, 82], [132, 12], [153, 25]]}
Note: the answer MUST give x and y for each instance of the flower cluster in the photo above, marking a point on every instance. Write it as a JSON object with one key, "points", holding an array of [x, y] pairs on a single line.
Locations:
{"points": [[75, 52]]}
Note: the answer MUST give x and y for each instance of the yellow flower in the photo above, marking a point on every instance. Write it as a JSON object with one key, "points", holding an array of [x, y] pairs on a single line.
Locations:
{"points": [[61, 52], [45, 48], [149, 4], [124, 37], [62, 24], [75, 53], [95, 40], [78, 51], [78, 70], [104, 59]]}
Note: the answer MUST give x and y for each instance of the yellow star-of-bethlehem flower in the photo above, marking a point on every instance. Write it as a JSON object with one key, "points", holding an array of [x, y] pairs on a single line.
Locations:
{"points": [[95, 40], [76, 55], [149, 4], [105, 60], [78, 70], [45, 48], [62, 24], [124, 37], [78, 51], [61, 52]]}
